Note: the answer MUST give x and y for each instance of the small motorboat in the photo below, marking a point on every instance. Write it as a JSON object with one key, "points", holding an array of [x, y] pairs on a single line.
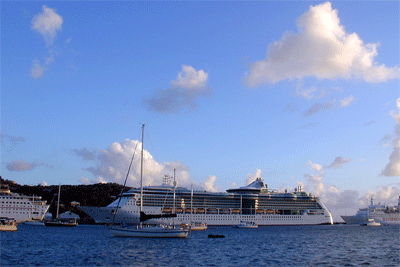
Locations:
{"points": [[372, 222], [244, 224], [198, 226], [8, 224], [216, 236]]}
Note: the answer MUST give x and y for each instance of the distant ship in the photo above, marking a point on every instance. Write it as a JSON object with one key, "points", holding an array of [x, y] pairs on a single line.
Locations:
{"points": [[254, 202], [380, 213], [21, 208]]}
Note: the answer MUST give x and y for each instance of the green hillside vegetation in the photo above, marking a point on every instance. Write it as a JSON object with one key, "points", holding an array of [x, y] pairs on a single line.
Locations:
{"points": [[99, 195]]}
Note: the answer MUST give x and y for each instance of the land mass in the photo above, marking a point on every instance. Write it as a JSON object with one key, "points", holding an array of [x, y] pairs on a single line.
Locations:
{"points": [[98, 195]]}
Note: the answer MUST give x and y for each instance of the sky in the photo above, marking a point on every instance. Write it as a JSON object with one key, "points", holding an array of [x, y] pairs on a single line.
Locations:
{"points": [[299, 93]]}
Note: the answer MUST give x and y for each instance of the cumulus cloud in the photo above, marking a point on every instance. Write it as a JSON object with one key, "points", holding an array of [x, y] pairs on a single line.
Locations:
{"points": [[111, 165], [189, 85], [48, 22], [209, 184], [251, 177], [336, 164], [21, 166], [315, 166], [321, 48], [346, 101], [345, 202], [317, 107], [393, 166]]}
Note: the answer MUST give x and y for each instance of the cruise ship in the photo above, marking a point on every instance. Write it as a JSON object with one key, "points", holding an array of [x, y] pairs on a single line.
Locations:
{"points": [[21, 208], [254, 202], [380, 213]]}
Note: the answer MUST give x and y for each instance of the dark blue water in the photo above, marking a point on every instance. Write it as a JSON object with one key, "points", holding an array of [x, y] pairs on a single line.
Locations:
{"points": [[338, 245]]}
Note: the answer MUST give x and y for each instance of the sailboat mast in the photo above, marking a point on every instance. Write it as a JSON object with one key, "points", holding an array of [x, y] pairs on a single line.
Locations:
{"points": [[173, 206], [58, 201], [141, 172]]}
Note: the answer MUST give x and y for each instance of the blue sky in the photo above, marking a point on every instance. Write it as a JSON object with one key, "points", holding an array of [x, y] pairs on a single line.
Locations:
{"points": [[299, 93]]}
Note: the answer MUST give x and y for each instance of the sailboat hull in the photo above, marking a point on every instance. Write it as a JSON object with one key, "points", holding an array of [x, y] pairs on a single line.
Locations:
{"points": [[150, 232]]}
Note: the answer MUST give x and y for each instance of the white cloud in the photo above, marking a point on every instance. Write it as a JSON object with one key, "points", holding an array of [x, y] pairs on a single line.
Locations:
{"points": [[47, 23], [209, 184], [393, 167], [37, 70], [347, 202], [251, 177], [43, 183], [189, 78], [316, 167], [189, 85], [112, 166], [346, 101], [321, 49], [306, 93]]}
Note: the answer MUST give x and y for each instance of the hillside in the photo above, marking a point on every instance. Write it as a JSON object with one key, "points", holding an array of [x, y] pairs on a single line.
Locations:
{"points": [[99, 195]]}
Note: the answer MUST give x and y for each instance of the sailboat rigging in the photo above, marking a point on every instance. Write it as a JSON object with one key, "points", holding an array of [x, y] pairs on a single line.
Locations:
{"points": [[158, 231], [57, 221]]}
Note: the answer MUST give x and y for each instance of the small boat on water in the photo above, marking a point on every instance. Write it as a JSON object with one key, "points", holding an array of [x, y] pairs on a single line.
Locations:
{"points": [[372, 222], [61, 223], [245, 224], [8, 224], [34, 222], [198, 226]]}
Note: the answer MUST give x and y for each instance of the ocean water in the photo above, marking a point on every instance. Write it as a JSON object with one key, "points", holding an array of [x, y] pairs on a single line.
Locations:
{"points": [[85, 245]]}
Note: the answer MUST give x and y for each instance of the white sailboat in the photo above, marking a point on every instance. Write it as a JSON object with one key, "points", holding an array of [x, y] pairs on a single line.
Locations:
{"points": [[158, 231], [57, 221]]}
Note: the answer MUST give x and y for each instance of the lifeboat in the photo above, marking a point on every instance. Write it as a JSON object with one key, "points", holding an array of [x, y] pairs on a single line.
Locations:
{"points": [[224, 211], [235, 211], [188, 210], [212, 211], [166, 210], [269, 211], [200, 210], [260, 211], [179, 210]]}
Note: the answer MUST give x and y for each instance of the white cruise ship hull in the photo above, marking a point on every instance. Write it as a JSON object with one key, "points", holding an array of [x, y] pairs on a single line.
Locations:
{"points": [[104, 215], [253, 202], [22, 208]]}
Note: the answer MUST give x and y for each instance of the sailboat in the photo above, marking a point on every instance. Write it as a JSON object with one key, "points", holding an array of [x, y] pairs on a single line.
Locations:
{"points": [[157, 231], [57, 221]]}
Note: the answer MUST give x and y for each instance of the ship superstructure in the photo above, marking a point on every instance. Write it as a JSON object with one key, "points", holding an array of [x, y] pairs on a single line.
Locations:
{"points": [[380, 213], [21, 208], [254, 202]]}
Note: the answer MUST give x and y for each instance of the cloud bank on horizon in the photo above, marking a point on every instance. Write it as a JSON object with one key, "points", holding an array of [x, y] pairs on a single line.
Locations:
{"points": [[322, 49]]}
